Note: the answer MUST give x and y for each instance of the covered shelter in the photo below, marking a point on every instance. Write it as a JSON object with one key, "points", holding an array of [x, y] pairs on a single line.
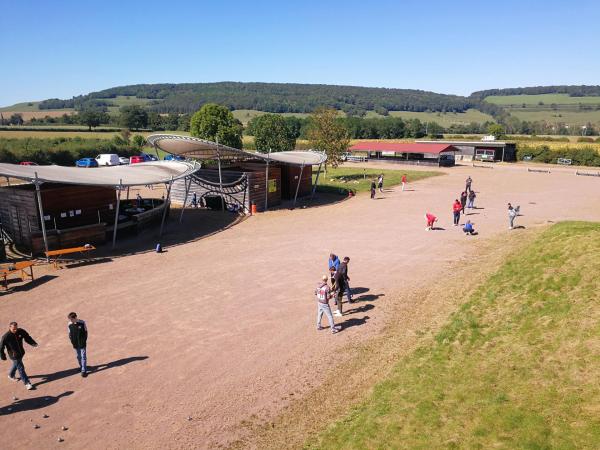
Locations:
{"points": [[492, 151], [65, 206], [432, 154], [241, 178]]}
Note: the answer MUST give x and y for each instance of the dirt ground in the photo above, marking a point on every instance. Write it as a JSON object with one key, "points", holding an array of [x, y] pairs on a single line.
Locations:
{"points": [[221, 329]]}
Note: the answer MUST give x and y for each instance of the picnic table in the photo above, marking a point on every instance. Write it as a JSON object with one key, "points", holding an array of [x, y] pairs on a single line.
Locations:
{"points": [[55, 256], [11, 269]]}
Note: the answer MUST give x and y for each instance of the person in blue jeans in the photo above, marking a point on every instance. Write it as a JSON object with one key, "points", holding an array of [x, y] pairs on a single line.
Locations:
{"points": [[12, 341], [78, 336]]}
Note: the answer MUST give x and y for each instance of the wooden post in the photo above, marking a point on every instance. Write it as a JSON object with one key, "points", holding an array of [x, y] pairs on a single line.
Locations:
{"points": [[220, 177]]}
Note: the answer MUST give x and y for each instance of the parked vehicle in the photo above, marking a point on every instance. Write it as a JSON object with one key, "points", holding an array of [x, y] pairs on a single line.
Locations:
{"points": [[108, 159], [123, 160], [149, 157], [28, 163], [174, 158], [86, 162], [137, 159]]}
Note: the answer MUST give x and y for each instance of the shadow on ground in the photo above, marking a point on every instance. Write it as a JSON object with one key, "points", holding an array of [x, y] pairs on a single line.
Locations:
{"points": [[50, 377], [29, 404]]}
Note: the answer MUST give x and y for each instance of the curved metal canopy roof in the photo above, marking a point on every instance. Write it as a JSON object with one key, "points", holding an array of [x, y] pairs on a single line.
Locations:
{"points": [[202, 149], [126, 175]]}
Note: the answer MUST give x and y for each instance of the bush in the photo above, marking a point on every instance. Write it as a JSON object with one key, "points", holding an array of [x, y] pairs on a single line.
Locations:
{"points": [[585, 139], [581, 156]]}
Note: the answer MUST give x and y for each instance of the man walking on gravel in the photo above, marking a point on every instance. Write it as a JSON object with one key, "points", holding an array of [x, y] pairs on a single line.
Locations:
{"points": [[78, 336], [404, 181], [512, 213], [468, 183], [323, 293], [13, 342]]}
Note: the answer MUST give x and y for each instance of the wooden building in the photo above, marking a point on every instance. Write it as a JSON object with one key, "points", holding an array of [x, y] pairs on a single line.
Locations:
{"points": [[73, 214]]}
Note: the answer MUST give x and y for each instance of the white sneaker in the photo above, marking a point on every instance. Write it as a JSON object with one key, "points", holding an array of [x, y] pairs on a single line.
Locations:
{"points": [[29, 386], [337, 313], [13, 378]]}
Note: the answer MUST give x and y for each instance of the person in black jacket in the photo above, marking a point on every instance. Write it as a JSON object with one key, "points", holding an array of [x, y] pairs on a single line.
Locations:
{"points": [[341, 284], [13, 342], [78, 335]]}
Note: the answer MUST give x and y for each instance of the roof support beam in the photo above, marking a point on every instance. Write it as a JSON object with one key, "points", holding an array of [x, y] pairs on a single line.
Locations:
{"points": [[41, 208], [166, 204], [118, 195], [298, 185]]}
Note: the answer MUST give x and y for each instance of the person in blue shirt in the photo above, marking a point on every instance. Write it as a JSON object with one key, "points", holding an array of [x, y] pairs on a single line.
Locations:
{"points": [[468, 228], [334, 261]]}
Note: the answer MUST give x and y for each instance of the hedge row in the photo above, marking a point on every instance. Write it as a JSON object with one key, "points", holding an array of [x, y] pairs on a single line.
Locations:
{"points": [[60, 151], [580, 156]]}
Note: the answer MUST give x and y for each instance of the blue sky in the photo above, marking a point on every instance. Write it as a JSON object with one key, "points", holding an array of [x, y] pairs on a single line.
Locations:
{"points": [[65, 48]]}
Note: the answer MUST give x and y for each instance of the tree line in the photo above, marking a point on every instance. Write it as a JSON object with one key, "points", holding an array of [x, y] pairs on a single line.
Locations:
{"points": [[573, 91]]}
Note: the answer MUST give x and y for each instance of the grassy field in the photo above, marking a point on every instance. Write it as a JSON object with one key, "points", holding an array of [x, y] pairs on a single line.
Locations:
{"points": [[359, 179], [246, 115], [446, 119], [517, 366], [547, 99], [555, 108]]}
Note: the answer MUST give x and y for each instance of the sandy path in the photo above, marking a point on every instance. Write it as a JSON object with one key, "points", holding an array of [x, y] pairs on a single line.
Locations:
{"points": [[222, 329]]}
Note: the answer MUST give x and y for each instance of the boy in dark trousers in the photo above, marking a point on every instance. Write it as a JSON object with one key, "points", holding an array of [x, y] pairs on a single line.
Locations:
{"points": [[13, 342], [373, 188], [78, 336]]}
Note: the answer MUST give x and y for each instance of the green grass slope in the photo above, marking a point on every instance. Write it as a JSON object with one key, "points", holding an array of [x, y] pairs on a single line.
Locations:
{"points": [[517, 366]]}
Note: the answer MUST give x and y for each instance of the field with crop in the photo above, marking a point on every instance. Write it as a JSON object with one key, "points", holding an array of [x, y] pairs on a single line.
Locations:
{"points": [[551, 108], [445, 119], [547, 99]]}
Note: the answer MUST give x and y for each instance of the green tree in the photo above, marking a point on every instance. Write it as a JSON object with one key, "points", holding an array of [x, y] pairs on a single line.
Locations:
{"points": [[434, 129], [16, 119], [496, 130], [133, 117], [328, 134], [138, 141], [90, 118], [155, 121], [272, 133], [183, 122], [214, 122]]}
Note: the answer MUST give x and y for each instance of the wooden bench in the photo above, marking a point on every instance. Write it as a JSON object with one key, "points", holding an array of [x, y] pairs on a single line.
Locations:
{"points": [[21, 267], [55, 256]]}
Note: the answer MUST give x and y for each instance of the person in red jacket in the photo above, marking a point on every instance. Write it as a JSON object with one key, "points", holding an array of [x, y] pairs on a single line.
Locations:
{"points": [[456, 209], [431, 219], [404, 181]]}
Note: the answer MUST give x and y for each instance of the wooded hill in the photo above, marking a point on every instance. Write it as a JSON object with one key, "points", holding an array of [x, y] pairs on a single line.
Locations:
{"points": [[573, 91], [271, 97]]}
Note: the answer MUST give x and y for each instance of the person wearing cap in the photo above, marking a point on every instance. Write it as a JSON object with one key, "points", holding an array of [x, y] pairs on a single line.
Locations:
{"points": [[323, 294]]}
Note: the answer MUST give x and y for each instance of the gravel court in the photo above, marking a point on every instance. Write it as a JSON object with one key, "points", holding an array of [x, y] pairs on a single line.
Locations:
{"points": [[222, 329]]}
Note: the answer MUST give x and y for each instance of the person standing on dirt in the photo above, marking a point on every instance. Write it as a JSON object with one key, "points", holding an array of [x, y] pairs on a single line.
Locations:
{"points": [[404, 181], [13, 342], [456, 209], [138, 201], [470, 203], [78, 334], [468, 183], [341, 284], [323, 294], [334, 261], [512, 213], [373, 189], [380, 183], [195, 200], [463, 201]]}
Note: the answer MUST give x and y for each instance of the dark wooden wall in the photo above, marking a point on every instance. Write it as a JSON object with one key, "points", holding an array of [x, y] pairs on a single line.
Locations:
{"points": [[289, 181], [92, 203], [19, 213]]}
